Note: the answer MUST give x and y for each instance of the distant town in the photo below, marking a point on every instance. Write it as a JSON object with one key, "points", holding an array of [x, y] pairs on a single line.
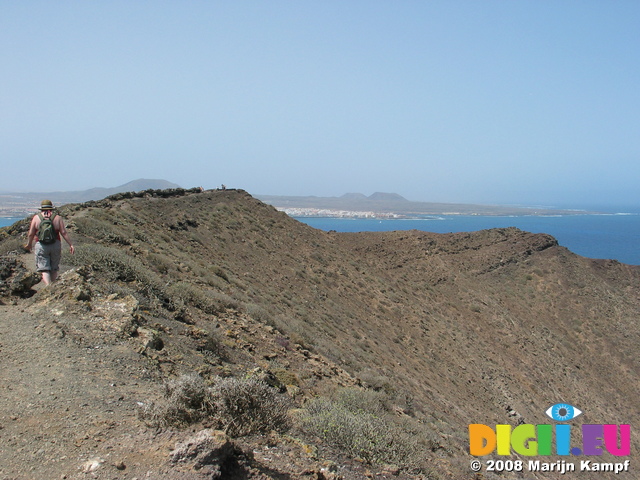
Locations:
{"points": [[393, 206], [17, 206], [332, 213]]}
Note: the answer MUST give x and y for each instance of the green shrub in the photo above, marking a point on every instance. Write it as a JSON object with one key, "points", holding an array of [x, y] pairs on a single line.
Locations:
{"points": [[285, 377], [161, 263], [100, 230], [220, 273], [356, 422], [357, 400], [116, 265]]}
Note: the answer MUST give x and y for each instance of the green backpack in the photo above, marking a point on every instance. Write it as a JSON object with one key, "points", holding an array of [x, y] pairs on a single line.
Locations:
{"points": [[46, 231]]}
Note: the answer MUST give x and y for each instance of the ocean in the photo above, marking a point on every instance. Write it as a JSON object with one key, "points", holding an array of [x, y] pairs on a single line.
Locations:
{"points": [[6, 221], [613, 235]]}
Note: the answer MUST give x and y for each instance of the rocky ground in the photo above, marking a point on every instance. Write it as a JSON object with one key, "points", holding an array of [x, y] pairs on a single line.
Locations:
{"points": [[73, 387], [486, 327]]}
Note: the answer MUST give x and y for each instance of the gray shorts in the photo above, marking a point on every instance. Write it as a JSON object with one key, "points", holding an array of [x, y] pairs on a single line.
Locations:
{"points": [[48, 256]]}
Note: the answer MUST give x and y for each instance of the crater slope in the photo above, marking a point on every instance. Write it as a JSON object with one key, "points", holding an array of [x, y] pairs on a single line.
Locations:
{"points": [[488, 327]]}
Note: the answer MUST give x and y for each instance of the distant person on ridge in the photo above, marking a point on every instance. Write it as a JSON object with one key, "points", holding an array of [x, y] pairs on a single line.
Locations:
{"points": [[46, 229]]}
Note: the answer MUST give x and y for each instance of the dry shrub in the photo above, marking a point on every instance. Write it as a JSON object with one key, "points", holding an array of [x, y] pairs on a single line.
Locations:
{"points": [[296, 328], [187, 400], [12, 244], [212, 344], [259, 313], [239, 406], [372, 379], [250, 406], [209, 301], [190, 391]]}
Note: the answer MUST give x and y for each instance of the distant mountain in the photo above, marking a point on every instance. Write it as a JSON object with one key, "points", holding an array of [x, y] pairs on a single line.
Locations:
{"points": [[18, 204], [100, 193], [354, 196], [387, 197]]}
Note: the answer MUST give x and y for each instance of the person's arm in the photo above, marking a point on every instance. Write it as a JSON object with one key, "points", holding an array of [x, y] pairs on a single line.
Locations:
{"points": [[33, 230], [64, 234]]}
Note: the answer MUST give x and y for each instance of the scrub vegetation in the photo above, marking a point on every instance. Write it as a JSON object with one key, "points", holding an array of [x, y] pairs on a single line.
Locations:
{"points": [[367, 352]]}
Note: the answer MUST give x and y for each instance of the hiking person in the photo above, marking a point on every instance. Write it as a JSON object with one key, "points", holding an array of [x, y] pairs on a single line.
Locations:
{"points": [[46, 229]]}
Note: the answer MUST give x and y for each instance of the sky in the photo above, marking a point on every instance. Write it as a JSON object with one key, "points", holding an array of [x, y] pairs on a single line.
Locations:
{"points": [[504, 102]]}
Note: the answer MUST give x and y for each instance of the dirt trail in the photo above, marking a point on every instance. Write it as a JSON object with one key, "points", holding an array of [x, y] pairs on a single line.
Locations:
{"points": [[62, 400]]}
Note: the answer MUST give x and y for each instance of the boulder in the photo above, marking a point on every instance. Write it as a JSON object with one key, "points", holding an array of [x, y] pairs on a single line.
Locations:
{"points": [[15, 278], [208, 449]]}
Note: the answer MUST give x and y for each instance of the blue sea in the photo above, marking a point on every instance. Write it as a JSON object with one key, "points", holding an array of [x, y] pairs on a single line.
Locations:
{"points": [[614, 235], [6, 221]]}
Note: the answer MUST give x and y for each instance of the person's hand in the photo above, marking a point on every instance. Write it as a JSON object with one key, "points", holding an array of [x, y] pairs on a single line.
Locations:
{"points": [[72, 249]]}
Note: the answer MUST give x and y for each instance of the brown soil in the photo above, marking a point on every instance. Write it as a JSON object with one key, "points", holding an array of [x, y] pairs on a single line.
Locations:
{"points": [[487, 327]]}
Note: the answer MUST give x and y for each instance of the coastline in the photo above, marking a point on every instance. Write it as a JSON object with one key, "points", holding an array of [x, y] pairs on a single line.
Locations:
{"points": [[385, 205], [308, 212]]}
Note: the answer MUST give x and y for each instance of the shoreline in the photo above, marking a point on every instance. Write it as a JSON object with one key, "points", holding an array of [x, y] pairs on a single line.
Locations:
{"points": [[372, 215]]}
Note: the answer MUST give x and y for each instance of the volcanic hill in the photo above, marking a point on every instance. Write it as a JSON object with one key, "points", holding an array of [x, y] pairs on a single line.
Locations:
{"points": [[382, 348]]}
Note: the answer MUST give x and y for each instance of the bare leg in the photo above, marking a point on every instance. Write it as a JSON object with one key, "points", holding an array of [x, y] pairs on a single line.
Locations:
{"points": [[54, 275], [46, 277]]}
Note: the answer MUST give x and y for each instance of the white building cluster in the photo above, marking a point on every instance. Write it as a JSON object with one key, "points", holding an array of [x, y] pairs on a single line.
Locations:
{"points": [[331, 213]]}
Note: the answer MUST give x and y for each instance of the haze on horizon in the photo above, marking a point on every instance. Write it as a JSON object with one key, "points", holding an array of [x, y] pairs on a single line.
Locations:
{"points": [[445, 101]]}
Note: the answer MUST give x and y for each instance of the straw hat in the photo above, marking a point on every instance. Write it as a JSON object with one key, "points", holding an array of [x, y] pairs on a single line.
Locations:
{"points": [[46, 205]]}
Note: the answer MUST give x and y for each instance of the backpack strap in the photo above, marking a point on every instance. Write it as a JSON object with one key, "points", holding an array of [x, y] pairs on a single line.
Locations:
{"points": [[53, 215]]}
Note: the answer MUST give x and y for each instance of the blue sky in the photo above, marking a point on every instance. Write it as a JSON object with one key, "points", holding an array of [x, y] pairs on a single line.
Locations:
{"points": [[524, 102]]}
